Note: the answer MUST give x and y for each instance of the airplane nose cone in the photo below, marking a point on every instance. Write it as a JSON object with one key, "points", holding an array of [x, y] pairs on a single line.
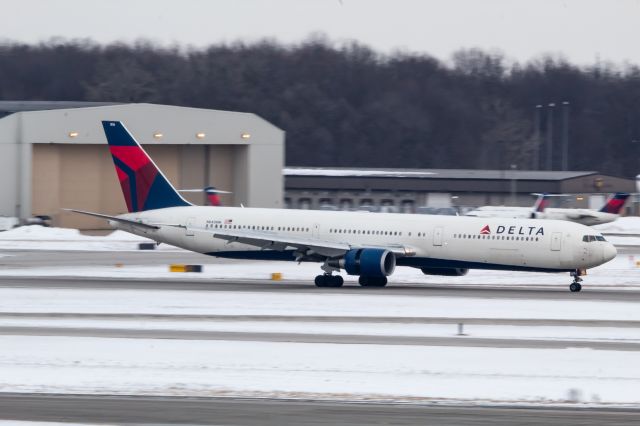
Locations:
{"points": [[609, 252]]}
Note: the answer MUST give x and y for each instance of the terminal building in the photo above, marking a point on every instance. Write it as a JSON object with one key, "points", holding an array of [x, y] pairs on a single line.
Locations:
{"points": [[53, 155], [444, 191]]}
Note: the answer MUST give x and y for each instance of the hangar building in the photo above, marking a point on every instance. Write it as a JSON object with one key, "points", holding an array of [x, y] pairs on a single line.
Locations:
{"points": [[53, 155], [444, 190]]}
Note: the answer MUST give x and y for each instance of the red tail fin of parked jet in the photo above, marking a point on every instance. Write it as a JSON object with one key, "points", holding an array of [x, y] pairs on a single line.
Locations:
{"points": [[143, 184], [615, 203]]}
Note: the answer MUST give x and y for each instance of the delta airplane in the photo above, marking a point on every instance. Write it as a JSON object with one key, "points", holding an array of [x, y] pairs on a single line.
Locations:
{"points": [[608, 213], [369, 245], [511, 211]]}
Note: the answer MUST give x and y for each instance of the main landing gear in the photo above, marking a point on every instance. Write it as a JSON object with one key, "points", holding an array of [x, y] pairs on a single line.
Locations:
{"points": [[372, 281], [328, 280], [575, 285]]}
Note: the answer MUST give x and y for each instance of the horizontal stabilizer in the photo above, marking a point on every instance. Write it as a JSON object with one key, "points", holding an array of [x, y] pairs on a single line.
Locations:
{"points": [[116, 219]]}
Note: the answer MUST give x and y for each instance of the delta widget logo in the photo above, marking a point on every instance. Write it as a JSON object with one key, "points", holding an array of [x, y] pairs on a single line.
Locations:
{"points": [[485, 230]]}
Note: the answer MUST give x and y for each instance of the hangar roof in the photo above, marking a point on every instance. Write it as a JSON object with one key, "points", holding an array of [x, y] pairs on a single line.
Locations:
{"points": [[9, 107], [435, 173], [79, 123]]}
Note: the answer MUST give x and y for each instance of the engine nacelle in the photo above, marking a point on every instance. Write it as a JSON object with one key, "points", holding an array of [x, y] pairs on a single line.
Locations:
{"points": [[367, 262], [449, 272]]}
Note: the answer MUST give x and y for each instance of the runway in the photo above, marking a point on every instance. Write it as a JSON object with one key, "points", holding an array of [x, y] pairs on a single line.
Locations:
{"points": [[21, 260], [250, 412], [49, 326], [482, 291], [459, 341]]}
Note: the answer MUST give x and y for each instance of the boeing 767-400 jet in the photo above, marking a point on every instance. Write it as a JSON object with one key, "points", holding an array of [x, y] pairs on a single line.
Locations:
{"points": [[369, 245]]}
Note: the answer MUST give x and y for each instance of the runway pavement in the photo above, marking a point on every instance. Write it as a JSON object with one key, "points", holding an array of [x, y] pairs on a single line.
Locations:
{"points": [[482, 291], [455, 341], [43, 258], [249, 412]]}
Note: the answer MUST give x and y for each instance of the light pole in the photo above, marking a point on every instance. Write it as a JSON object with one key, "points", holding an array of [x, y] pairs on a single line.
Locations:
{"points": [[537, 118], [513, 168], [565, 135], [549, 148]]}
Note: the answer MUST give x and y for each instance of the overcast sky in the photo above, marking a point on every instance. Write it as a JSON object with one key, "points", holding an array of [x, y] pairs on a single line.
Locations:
{"points": [[581, 30]]}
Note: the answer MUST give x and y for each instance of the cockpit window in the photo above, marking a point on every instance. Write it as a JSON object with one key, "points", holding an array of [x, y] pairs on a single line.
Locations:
{"points": [[592, 238]]}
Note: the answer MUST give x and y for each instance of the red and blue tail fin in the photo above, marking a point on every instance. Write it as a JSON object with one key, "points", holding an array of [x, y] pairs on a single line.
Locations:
{"points": [[541, 203], [615, 203], [143, 184]]}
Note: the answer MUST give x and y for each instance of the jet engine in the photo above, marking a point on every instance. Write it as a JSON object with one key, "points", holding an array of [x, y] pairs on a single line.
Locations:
{"points": [[367, 262], [449, 272]]}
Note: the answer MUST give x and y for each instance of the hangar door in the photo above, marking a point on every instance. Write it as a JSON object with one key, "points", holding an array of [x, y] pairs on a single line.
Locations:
{"points": [[83, 177]]}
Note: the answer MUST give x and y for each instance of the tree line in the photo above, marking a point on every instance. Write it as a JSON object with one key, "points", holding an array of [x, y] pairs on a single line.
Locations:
{"points": [[349, 105]]}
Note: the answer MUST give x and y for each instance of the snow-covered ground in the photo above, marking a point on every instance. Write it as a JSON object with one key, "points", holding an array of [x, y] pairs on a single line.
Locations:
{"points": [[624, 225], [316, 370], [409, 372], [383, 304], [37, 237]]}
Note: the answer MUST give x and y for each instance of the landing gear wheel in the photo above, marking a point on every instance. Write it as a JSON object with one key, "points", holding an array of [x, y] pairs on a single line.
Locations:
{"points": [[372, 281], [329, 281], [321, 281], [337, 281], [575, 287]]}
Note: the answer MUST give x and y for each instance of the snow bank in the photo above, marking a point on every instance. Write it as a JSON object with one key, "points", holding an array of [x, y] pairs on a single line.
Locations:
{"points": [[36, 237], [310, 370], [624, 225]]}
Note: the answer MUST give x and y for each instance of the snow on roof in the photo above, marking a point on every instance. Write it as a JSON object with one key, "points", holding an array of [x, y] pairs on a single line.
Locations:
{"points": [[435, 173]]}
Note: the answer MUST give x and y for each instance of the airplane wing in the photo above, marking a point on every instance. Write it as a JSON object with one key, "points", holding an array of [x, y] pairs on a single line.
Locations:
{"points": [[306, 246], [581, 215]]}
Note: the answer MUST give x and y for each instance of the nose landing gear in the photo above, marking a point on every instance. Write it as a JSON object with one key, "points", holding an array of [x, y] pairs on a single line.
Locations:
{"points": [[575, 286]]}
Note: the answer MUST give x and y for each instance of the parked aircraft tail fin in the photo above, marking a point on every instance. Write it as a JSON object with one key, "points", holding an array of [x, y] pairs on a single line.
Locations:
{"points": [[143, 184], [615, 203], [541, 203]]}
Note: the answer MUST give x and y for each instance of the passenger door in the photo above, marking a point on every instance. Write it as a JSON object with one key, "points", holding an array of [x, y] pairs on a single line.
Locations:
{"points": [[437, 236], [188, 230]]}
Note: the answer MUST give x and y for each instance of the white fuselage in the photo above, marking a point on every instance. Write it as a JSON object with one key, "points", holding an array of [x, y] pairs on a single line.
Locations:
{"points": [[440, 241], [582, 216]]}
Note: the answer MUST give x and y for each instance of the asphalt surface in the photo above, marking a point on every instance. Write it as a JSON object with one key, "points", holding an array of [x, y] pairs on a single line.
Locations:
{"points": [[40, 258], [249, 412], [444, 290], [455, 341]]}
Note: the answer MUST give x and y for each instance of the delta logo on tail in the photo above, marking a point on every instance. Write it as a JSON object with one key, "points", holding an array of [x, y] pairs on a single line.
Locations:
{"points": [[485, 230], [615, 204], [143, 184]]}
